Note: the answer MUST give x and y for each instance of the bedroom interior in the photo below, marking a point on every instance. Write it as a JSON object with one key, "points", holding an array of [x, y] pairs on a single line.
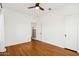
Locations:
{"points": [[39, 29]]}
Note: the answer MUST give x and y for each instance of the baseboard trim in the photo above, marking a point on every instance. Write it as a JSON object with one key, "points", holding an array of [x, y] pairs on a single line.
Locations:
{"points": [[72, 50], [18, 44], [77, 51], [52, 43], [3, 50]]}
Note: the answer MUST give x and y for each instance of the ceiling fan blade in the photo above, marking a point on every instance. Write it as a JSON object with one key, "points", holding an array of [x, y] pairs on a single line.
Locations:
{"points": [[37, 4], [41, 8], [31, 7]]}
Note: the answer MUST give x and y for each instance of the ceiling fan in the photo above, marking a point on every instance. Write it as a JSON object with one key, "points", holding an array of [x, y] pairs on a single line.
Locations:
{"points": [[37, 6]]}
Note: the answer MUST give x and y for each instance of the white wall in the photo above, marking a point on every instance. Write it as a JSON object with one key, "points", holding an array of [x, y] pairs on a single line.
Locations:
{"points": [[53, 28], [53, 24], [17, 27]]}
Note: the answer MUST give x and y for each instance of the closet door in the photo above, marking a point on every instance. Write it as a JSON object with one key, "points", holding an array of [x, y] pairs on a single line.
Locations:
{"points": [[2, 37], [71, 32]]}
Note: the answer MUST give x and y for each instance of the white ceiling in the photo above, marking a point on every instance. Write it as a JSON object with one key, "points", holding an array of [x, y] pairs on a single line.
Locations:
{"points": [[22, 7]]}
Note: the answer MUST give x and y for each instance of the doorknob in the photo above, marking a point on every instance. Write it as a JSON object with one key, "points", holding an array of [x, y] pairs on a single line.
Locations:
{"points": [[65, 35]]}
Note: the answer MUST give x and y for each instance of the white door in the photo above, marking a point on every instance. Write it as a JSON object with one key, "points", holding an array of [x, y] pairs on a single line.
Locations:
{"points": [[2, 37], [71, 32]]}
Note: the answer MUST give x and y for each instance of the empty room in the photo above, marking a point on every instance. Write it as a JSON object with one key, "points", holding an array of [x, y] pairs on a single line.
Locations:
{"points": [[39, 29]]}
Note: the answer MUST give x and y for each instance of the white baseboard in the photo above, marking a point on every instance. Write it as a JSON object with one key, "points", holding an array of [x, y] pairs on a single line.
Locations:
{"points": [[3, 50], [15, 43], [77, 51], [52, 43]]}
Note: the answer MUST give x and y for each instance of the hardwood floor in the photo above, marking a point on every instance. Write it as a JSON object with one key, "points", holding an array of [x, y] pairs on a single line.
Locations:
{"points": [[37, 48]]}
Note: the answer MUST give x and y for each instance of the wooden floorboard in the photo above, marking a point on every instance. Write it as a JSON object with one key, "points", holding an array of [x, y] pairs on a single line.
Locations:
{"points": [[37, 48]]}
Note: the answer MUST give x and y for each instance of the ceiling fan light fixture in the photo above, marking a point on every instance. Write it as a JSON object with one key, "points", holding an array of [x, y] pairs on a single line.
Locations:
{"points": [[37, 8]]}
